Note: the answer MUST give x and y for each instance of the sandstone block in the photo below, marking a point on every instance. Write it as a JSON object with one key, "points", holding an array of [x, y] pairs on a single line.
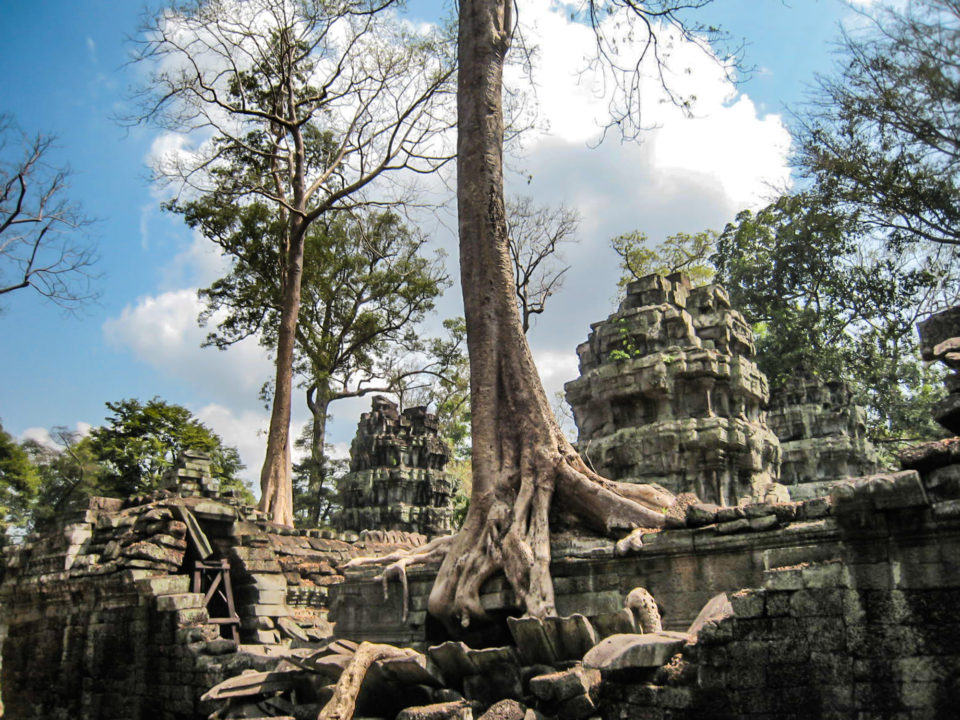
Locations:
{"points": [[622, 652]]}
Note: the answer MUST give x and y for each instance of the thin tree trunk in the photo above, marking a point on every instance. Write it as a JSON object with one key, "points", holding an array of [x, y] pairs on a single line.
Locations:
{"points": [[276, 483], [522, 463], [319, 404]]}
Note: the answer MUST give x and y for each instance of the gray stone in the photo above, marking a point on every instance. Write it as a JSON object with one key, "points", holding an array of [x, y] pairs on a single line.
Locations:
{"points": [[625, 652], [559, 686], [822, 433], [456, 710], [668, 394], [396, 479], [505, 710], [717, 608]]}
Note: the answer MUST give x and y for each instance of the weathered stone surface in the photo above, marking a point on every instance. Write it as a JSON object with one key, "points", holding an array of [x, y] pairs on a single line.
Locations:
{"points": [[668, 394], [560, 686], [452, 659], [505, 710], [457, 710], [716, 609], [396, 479], [822, 434], [940, 340], [625, 652]]}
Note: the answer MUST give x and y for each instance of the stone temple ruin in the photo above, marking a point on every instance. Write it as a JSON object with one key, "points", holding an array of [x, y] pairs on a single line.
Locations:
{"points": [[397, 479], [668, 394], [837, 606], [822, 435]]}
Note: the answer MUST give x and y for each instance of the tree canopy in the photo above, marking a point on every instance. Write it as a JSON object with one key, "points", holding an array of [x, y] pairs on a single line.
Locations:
{"points": [[881, 135], [19, 484], [140, 441], [825, 297], [307, 106]]}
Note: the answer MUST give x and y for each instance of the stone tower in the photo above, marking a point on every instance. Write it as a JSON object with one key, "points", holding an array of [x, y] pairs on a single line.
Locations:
{"points": [[397, 479], [822, 432], [668, 394]]}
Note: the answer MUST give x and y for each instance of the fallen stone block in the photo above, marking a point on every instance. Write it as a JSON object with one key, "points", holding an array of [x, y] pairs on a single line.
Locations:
{"points": [[457, 710], [626, 652], [559, 686], [505, 710], [717, 608]]}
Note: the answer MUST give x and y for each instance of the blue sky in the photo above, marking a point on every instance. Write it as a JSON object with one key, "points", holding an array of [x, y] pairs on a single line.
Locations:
{"points": [[63, 72]]}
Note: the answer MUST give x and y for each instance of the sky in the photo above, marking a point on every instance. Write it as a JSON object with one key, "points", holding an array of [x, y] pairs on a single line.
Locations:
{"points": [[64, 71]]}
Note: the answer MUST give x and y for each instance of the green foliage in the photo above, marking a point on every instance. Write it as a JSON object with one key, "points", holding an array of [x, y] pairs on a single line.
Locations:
{"points": [[142, 440], [881, 136], [444, 387], [315, 484], [826, 298], [366, 282], [681, 252], [69, 474], [627, 347], [19, 484]]}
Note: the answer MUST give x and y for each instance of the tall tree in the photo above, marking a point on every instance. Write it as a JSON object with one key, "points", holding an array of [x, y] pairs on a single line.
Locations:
{"points": [[142, 440], [306, 105], [42, 232], [522, 464], [882, 134], [366, 283], [535, 233]]}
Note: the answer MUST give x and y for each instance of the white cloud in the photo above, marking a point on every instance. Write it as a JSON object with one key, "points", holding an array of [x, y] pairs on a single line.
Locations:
{"points": [[199, 264], [725, 142], [162, 331], [244, 430], [556, 368], [42, 436]]}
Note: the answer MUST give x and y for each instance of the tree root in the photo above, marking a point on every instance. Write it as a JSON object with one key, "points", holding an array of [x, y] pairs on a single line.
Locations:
{"points": [[509, 530], [436, 549], [344, 701]]}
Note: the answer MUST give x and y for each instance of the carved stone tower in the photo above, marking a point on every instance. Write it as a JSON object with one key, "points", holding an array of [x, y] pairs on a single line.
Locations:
{"points": [[822, 434], [668, 394], [397, 479]]}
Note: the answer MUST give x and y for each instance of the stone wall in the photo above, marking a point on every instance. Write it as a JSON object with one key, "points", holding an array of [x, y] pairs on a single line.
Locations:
{"points": [[822, 434], [668, 394], [871, 632], [99, 620], [397, 479]]}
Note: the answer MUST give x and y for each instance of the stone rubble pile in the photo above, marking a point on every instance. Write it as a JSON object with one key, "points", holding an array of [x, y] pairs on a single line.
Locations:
{"points": [[668, 394]]}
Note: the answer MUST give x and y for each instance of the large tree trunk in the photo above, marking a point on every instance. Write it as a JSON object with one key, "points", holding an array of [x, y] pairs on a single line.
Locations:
{"points": [[522, 464], [276, 478]]}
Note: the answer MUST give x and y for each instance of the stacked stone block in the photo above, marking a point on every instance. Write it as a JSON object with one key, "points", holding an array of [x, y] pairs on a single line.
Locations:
{"points": [[869, 633], [668, 394], [940, 340], [397, 479], [822, 434], [191, 477]]}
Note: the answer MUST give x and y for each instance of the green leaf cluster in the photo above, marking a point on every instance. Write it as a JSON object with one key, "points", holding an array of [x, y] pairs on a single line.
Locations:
{"points": [[142, 440], [881, 134], [826, 298], [682, 252]]}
